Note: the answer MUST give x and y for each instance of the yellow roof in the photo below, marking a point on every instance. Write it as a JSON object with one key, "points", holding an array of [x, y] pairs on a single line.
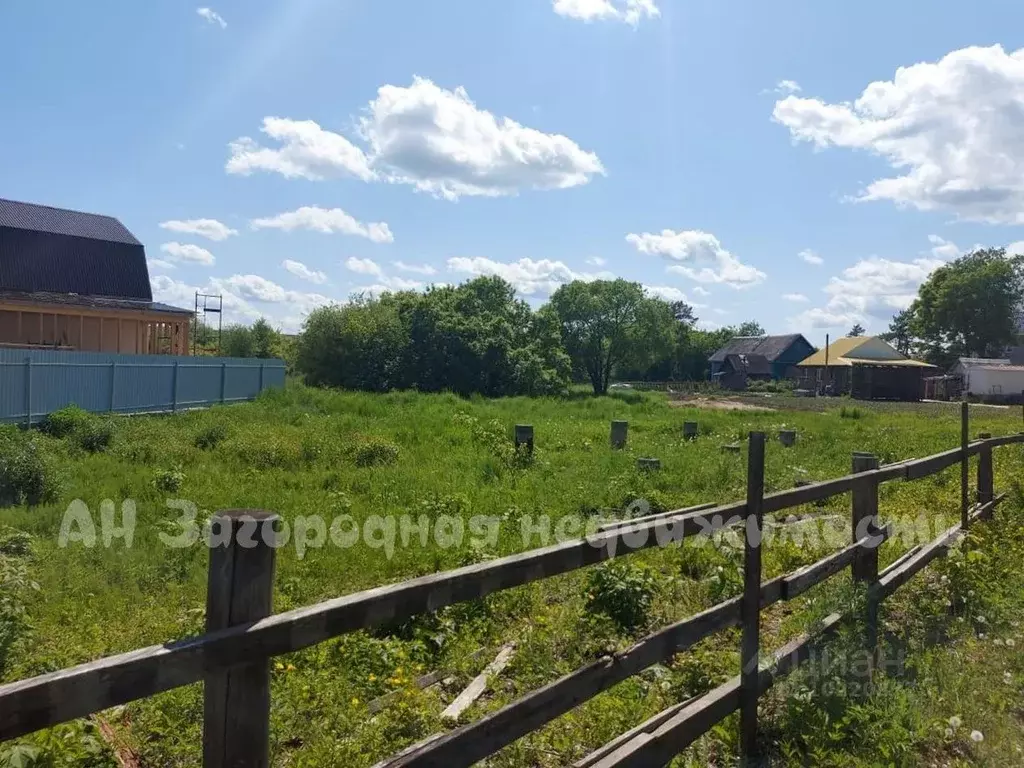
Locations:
{"points": [[866, 350]]}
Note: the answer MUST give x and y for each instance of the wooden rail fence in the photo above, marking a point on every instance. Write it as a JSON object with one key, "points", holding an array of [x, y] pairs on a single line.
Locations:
{"points": [[232, 658]]}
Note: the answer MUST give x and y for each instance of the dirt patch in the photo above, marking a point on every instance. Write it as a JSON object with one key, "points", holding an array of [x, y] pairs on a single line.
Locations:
{"points": [[718, 405]]}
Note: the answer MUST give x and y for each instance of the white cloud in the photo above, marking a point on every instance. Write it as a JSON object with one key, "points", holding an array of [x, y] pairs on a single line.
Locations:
{"points": [[246, 297], [874, 289], [671, 293], [436, 140], [697, 247], [364, 266], [1014, 249], [383, 282], [391, 284], [788, 86], [950, 128], [419, 269], [187, 252], [208, 228], [159, 264], [212, 17], [943, 249], [629, 11], [529, 277], [596, 261], [818, 318], [795, 297], [327, 221], [701, 291], [811, 257], [307, 151], [300, 270], [442, 143]]}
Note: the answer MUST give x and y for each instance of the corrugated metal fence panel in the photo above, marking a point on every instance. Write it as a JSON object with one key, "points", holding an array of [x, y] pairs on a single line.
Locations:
{"points": [[125, 383]]}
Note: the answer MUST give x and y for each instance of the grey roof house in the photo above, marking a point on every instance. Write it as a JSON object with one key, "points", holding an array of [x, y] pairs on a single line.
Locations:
{"points": [[780, 352]]}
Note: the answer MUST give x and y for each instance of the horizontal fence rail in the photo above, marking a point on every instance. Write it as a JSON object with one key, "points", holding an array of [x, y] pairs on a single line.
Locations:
{"points": [[35, 383], [242, 637]]}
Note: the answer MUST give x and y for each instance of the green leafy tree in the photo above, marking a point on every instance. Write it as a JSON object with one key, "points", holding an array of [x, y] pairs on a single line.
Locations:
{"points": [[900, 333], [857, 330], [264, 339], [750, 328], [357, 346], [236, 341], [610, 323], [473, 338], [970, 306]]}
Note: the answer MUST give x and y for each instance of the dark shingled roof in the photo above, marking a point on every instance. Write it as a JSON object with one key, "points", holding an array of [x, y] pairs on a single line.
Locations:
{"points": [[768, 346], [753, 365], [93, 302], [58, 251]]}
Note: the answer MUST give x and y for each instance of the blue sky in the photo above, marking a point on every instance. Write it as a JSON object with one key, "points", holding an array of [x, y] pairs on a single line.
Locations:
{"points": [[804, 164]]}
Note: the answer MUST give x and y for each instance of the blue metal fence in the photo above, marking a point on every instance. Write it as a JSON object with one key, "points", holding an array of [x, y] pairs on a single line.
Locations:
{"points": [[36, 382]]}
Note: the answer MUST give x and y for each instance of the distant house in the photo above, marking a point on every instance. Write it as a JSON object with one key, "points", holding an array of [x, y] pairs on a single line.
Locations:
{"points": [[866, 368], [739, 369], [79, 281], [991, 379], [781, 352]]}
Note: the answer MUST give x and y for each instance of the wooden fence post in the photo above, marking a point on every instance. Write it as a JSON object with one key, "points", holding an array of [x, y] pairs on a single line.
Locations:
{"points": [[986, 488], [240, 587], [864, 508], [690, 430], [964, 467], [751, 603], [620, 430], [524, 436]]}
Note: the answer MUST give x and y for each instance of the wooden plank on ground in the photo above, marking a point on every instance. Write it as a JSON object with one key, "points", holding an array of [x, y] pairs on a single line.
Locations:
{"points": [[472, 742], [479, 684]]}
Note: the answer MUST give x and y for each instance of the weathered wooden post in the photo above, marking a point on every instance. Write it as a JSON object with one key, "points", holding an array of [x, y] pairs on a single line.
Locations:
{"points": [[524, 436], [787, 437], [864, 508], [985, 477], [240, 587], [620, 431], [689, 430], [648, 465], [751, 603], [964, 467]]}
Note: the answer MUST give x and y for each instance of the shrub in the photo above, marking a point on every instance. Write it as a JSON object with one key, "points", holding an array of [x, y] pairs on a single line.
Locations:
{"points": [[95, 435], [210, 437], [850, 413], [623, 592], [376, 452], [26, 477], [90, 432], [169, 480], [65, 422]]}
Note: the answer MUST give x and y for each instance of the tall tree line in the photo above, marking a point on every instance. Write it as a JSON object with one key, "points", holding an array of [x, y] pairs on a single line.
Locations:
{"points": [[478, 337]]}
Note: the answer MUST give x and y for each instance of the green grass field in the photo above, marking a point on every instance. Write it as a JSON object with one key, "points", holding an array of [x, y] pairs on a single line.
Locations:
{"points": [[304, 452]]}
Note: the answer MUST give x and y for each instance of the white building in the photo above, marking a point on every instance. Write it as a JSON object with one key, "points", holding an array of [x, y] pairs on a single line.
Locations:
{"points": [[994, 380]]}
